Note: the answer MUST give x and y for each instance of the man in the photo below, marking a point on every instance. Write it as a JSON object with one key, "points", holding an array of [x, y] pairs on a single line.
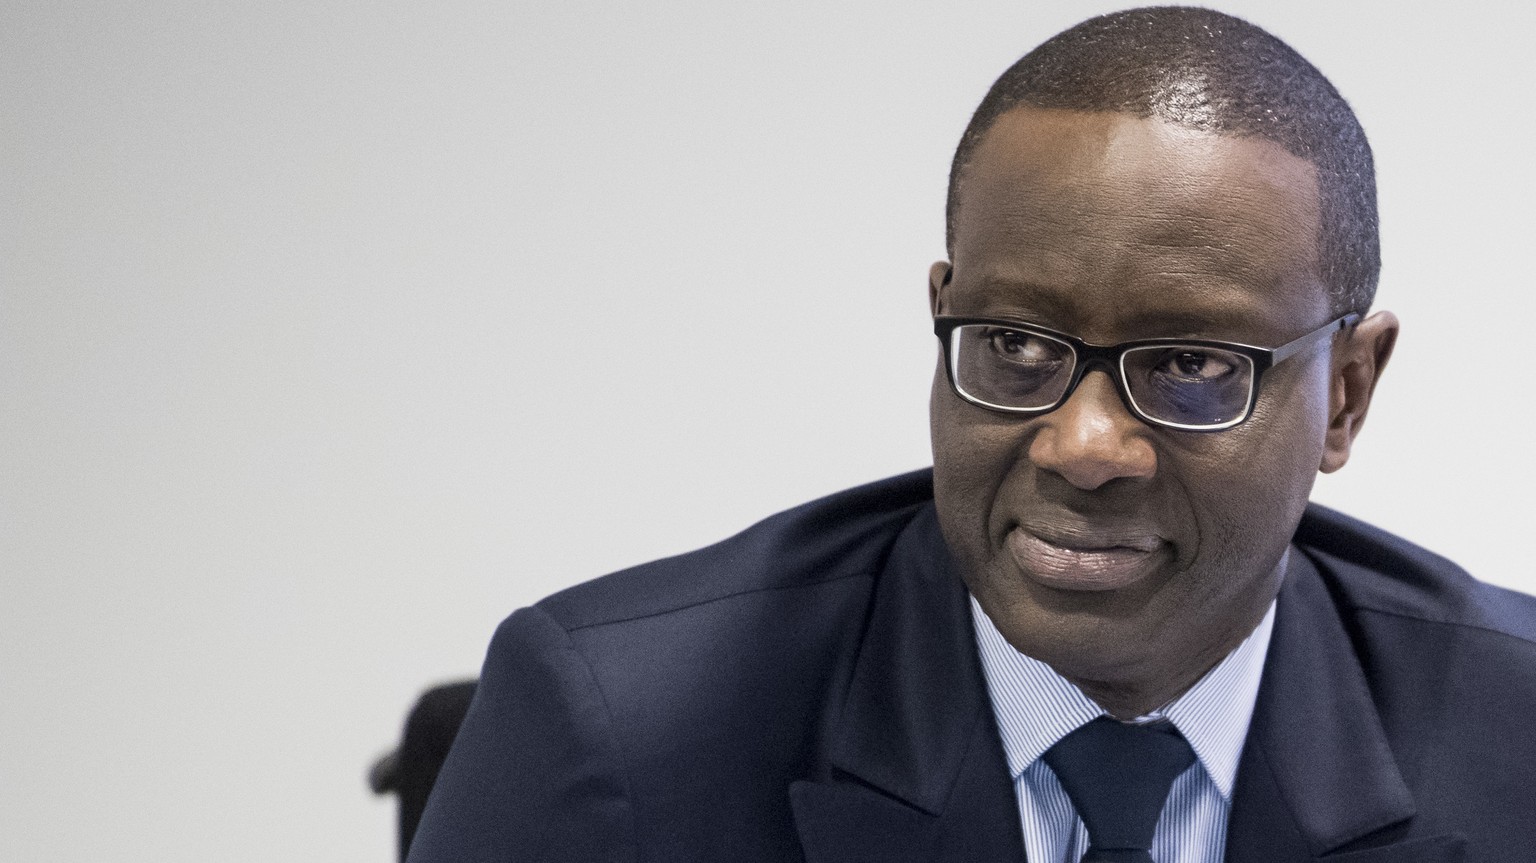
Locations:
{"points": [[1109, 627]]}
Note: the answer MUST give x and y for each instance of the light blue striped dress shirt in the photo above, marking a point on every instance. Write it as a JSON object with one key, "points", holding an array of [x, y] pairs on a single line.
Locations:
{"points": [[1035, 707]]}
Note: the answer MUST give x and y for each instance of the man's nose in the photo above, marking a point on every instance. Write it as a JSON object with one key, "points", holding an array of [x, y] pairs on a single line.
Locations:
{"points": [[1093, 438]]}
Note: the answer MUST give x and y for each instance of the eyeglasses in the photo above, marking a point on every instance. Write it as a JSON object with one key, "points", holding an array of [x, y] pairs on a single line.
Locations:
{"points": [[1187, 384]]}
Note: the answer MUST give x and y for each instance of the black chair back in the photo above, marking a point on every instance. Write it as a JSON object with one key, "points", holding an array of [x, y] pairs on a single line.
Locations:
{"points": [[410, 771]]}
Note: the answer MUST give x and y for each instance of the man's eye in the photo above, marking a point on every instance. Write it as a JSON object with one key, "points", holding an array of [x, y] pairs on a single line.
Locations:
{"points": [[1196, 366], [1022, 347]]}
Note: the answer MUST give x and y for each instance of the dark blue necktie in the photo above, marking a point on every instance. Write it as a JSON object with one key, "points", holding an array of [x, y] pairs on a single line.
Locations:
{"points": [[1118, 777]]}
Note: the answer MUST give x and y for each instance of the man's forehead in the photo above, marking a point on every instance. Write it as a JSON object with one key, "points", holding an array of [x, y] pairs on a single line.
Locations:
{"points": [[1066, 214], [1051, 146]]}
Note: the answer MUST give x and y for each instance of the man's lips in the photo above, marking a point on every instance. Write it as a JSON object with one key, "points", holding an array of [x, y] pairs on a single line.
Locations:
{"points": [[1085, 562]]}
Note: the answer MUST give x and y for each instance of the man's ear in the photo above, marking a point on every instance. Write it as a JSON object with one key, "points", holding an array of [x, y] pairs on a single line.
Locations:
{"points": [[938, 278], [1358, 361]]}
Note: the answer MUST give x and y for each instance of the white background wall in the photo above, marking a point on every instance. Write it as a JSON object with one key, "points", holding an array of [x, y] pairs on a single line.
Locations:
{"points": [[330, 332]]}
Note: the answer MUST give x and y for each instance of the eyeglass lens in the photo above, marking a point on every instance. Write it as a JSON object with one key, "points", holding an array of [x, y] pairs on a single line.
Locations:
{"points": [[1192, 386]]}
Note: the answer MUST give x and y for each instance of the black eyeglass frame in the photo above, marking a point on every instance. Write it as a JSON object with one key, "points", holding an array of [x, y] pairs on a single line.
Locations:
{"points": [[1111, 358]]}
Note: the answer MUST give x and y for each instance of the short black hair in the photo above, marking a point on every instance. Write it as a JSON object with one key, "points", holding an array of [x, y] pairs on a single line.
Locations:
{"points": [[1207, 70]]}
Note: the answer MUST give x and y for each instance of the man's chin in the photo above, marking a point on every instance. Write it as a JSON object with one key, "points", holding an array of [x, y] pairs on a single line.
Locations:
{"points": [[1081, 637]]}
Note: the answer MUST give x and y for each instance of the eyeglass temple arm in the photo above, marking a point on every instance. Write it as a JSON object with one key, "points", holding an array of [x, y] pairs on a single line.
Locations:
{"points": [[1290, 349]]}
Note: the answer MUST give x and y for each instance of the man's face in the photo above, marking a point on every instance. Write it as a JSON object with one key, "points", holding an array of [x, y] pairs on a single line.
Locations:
{"points": [[1114, 550]]}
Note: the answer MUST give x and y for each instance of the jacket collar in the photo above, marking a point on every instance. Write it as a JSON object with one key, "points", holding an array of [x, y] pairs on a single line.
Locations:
{"points": [[1317, 774], [917, 769]]}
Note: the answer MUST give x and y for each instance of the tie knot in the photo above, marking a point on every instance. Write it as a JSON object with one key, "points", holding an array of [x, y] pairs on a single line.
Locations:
{"points": [[1118, 777]]}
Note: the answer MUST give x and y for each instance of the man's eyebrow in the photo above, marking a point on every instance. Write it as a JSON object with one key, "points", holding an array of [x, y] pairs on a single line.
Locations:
{"points": [[1227, 324], [1001, 296], [1226, 317]]}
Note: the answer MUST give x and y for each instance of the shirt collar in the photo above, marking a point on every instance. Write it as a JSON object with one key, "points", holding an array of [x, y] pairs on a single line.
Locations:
{"points": [[1035, 706]]}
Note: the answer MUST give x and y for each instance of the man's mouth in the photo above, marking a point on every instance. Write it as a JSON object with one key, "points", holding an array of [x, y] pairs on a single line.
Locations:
{"points": [[1085, 563]]}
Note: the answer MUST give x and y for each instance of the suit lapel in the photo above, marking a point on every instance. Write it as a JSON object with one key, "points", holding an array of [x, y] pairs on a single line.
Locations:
{"points": [[1317, 776], [916, 770]]}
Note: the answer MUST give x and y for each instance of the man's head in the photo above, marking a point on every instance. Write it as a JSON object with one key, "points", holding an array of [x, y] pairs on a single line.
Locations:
{"points": [[1161, 173]]}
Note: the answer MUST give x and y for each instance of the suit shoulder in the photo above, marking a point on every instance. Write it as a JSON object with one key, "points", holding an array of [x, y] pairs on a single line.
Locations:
{"points": [[1373, 570], [842, 535]]}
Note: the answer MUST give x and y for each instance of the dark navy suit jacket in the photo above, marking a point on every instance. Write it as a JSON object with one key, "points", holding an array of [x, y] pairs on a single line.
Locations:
{"points": [[810, 690]]}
